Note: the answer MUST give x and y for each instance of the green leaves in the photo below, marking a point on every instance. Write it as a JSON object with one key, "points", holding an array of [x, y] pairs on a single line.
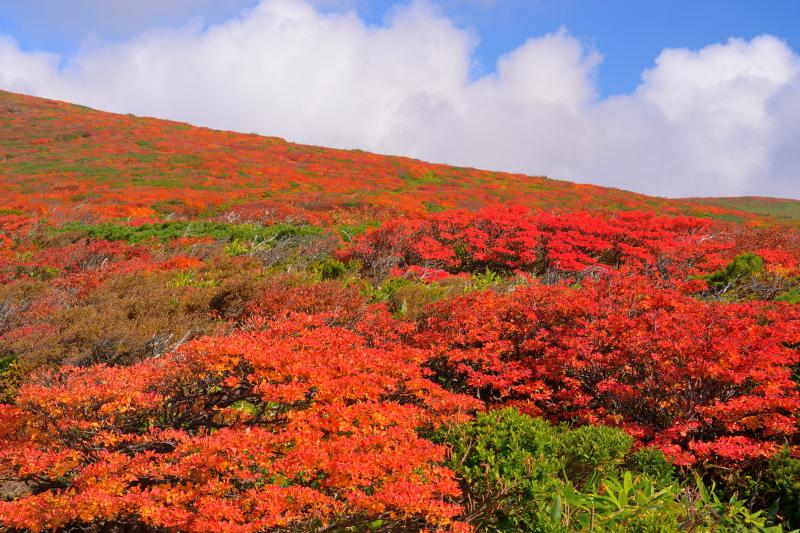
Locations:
{"points": [[166, 231], [590, 452], [742, 267], [707, 512], [629, 503], [522, 473]]}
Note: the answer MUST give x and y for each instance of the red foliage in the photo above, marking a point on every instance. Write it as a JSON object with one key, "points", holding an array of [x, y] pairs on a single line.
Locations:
{"points": [[510, 239], [311, 412], [691, 377], [297, 425]]}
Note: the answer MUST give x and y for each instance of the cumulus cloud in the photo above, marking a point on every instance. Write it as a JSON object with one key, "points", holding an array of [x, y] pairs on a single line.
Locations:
{"points": [[717, 121]]}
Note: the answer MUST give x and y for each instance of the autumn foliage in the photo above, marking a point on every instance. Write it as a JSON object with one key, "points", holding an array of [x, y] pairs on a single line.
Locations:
{"points": [[210, 331], [703, 381], [302, 423], [514, 239]]}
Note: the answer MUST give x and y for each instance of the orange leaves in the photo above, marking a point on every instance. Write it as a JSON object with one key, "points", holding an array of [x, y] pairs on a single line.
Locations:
{"points": [[311, 411], [43, 464], [89, 400], [330, 434]]}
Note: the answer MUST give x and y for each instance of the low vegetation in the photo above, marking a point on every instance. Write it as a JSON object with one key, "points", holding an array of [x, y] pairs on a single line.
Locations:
{"points": [[202, 331]]}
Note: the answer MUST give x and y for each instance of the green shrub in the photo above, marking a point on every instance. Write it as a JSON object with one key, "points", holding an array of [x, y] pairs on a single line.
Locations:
{"points": [[590, 453], [703, 510], [792, 296], [512, 465], [654, 464], [349, 231], [236, 248], [328, 268], [485, 279], [386, 291], [411, 299], [522, 474], [189, 278], [742, 267], [783, 487], [635, 504], [626, 504], [509, 468]]}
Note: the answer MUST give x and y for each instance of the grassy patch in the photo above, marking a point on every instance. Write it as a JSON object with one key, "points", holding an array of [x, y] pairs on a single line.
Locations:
{"points": [[166, 231]]}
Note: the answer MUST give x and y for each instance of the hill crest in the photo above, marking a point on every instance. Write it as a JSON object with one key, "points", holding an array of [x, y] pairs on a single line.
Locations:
{"points": [[58, 157]]}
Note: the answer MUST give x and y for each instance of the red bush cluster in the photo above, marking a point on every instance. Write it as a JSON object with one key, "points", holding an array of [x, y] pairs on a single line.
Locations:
{"points": [[700, 380], [301, 424], [510, 239], [228, 383]]}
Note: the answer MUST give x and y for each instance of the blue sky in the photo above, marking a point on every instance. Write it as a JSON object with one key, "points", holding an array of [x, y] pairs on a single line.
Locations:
{"points": [[678, 98], [628, 33]]}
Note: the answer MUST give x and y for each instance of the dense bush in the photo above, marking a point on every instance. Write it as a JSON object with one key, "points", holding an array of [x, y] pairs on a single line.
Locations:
{"points": [[515, 473], [514, 239], [117, 320], [223, 332], [783, 486], [590, 453], [301, 426], [702, 381], [509, 467], [743, 265], [654, 464]]}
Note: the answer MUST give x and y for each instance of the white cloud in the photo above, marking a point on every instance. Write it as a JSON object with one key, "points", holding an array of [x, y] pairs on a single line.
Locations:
{"points": [[717, 121]]}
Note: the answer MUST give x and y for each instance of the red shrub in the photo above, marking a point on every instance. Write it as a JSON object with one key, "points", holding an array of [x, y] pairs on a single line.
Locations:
{"points": [[692, 377], [301, 424]]}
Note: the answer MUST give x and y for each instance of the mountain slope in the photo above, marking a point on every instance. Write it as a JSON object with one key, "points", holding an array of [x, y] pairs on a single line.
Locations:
{"points": [[774, 208], [208, 331], [57, 158]]}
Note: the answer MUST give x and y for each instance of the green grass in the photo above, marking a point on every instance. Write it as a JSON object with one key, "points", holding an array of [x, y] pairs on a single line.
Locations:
{"points": [[348, 231], [186, 159], [429, 178], [166, 231], [783, 209], [37, 167], [433, 207], [144, 158], [146, 144]]}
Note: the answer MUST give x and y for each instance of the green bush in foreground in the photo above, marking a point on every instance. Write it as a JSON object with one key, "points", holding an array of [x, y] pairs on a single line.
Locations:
{"points": [[523, 474], [783, 485], [510, 470]]}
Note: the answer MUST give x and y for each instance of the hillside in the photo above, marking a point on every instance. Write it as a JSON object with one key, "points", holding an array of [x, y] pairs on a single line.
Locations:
{"points": [[211, 331], [777, 209], [61, 158]]}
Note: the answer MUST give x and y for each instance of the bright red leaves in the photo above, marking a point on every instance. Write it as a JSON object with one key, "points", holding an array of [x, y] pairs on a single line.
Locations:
{"points": [[691, 377]]}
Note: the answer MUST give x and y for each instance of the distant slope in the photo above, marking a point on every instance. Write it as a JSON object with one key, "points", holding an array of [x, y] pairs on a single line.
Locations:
{"points": [[778, 208], [57, 158]]}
